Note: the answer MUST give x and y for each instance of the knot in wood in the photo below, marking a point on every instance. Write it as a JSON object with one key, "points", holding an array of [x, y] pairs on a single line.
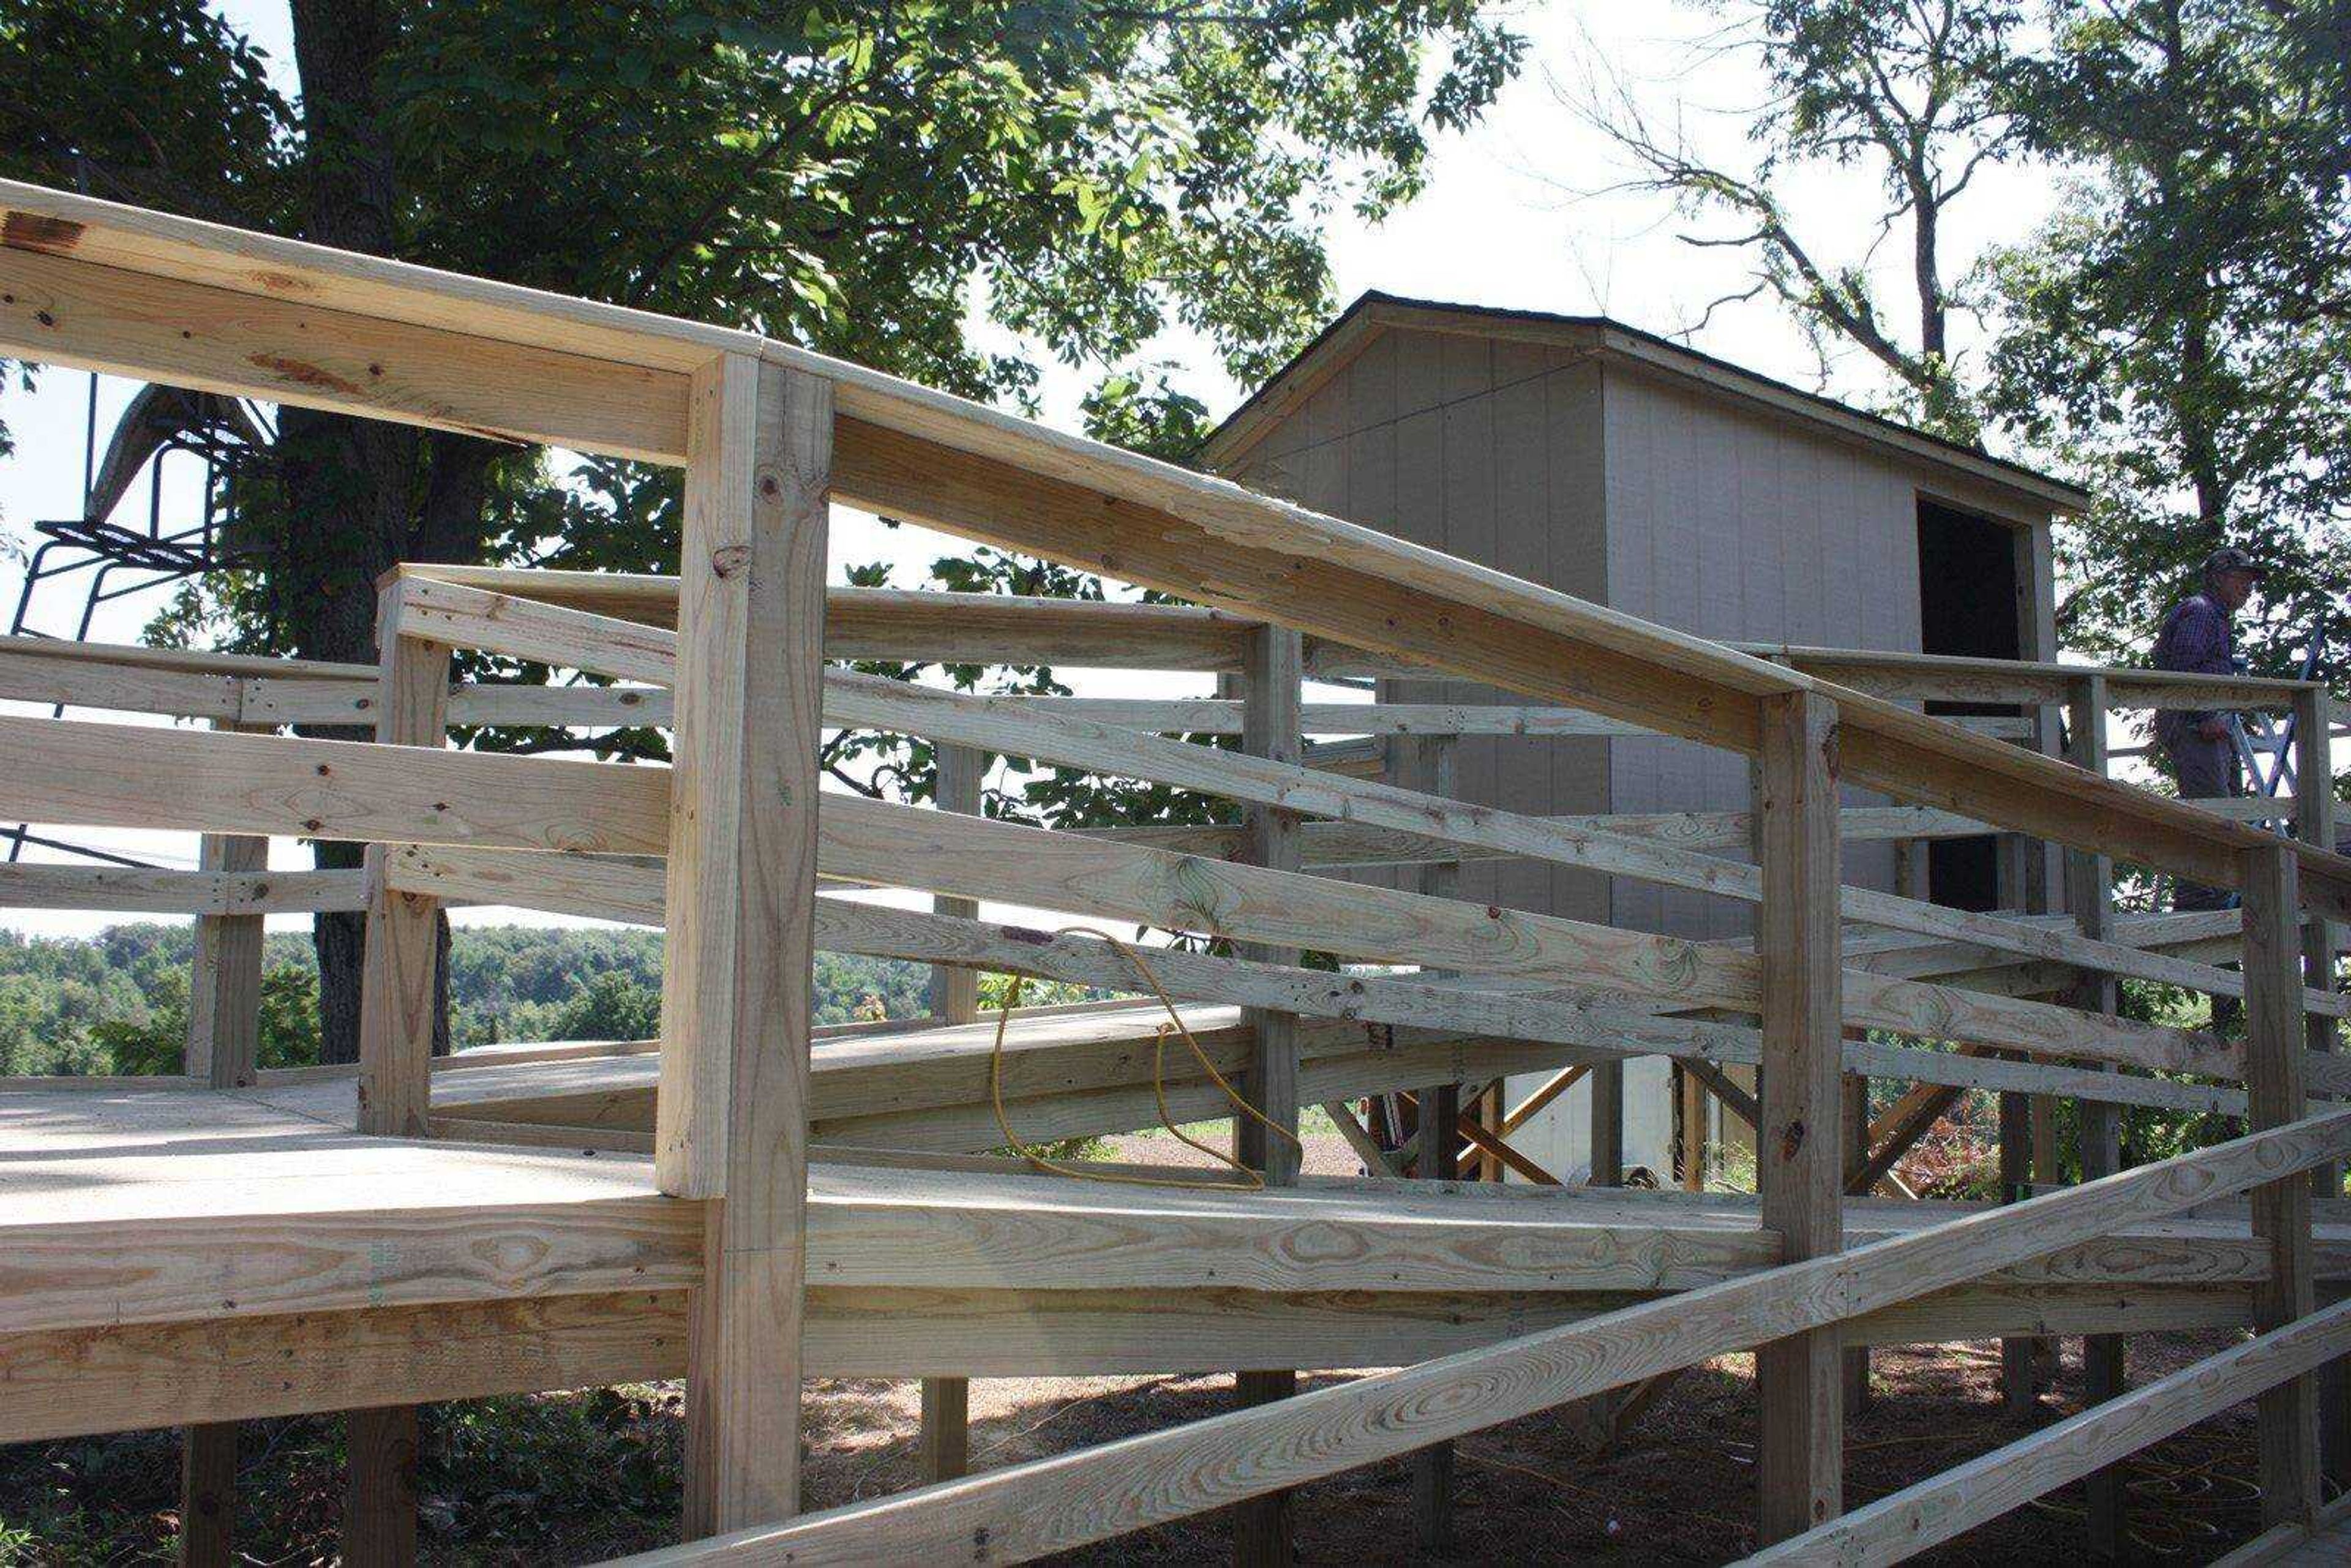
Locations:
{"points": [[728, 560], [1791, 1140]]}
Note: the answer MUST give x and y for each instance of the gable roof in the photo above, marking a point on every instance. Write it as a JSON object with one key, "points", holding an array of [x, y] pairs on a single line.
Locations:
{"points": [[1375, 313]]}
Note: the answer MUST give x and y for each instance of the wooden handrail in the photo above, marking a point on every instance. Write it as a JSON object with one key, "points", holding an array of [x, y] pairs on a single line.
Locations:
{"points": [[1056, 1504]]}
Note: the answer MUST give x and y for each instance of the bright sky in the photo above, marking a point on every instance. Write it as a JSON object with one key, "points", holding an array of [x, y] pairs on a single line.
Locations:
{"points": [[1509, 219]]}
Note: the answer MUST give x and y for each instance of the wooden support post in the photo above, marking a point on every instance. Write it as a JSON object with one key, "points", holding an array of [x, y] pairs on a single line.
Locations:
{"points": [[207, 1494], [732, 1113], [1432, 1468], [1432, 772], [962, 773], [2274, 1043], [1607, 1140], [1273, 666], [954, 999], [2090, 894], [379, 1504], [2021, 1151], [399, 986], [1694, 1128], [401, 992], [225, 988], [2314, 820], [224, 1049], [2019, 1358], [946, 1428], [1857, 1155], [1798, 1164], [2028, 1146]]}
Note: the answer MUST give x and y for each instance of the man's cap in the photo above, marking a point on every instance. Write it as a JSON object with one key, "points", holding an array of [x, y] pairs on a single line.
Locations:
{"points": [[2229, 558]]}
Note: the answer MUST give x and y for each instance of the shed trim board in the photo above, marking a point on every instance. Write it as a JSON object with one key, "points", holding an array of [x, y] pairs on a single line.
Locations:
{"points": [[1373, 312]]}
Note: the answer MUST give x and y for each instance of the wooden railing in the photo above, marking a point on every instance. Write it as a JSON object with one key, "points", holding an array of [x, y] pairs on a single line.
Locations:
{"points": [[724, 849]]}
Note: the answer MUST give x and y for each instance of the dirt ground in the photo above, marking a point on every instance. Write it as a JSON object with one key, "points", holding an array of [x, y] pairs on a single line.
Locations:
{"points": [[1678, 1490]]}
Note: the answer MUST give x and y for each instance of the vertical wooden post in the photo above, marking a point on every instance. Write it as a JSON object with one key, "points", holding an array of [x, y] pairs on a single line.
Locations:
{"points": [[2314, 823], [1606, 1082], [954, 999], [1273, 666], [2019, 1373], [1432, 1468], [400, 994], [2090, 894], [1857, 1155], [1434, 758], [963, 775], [225, 988], [2028, 1144], [207, 1494], [731, 1119], [223, 1051], [1798, 1164], [399, 981], [380, 1505], [2281, 1209], [1694, 1118]]}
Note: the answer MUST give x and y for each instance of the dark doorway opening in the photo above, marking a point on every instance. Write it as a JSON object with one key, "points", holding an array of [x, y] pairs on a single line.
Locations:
{"points": [[1968, 607]]}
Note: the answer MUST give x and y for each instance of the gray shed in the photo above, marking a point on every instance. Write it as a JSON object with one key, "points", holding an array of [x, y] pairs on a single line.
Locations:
{"points": [[1624, 469]]}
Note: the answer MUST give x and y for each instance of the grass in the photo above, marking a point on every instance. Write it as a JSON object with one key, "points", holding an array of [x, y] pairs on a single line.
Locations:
{"points": [[577, 1476]]}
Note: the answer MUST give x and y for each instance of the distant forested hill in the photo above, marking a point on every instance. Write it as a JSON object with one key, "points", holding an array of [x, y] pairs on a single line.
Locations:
{"points": [[117, 1002]]}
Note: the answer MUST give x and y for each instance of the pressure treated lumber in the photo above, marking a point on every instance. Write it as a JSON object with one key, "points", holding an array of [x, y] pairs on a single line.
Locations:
{"points": [[1026, 727], [1272, 668], [57, 308], [129, 776], [403, 999], [2090, 894], [1800, 1458], [2276, 1061], [541, 630], [1025, 1511], [207, 1494], [136, 889], [570, 884], [732, 1115], [401, 996], [224, 1039], [960, 786], [2313, 822]]}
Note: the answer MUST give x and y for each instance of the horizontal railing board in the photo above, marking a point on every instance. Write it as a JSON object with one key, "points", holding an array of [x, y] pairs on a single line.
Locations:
{"points": [[138, 891], [1958, 679], [126, 776], [59, 309], [580, 885], [470, 617], [1353, 844]]}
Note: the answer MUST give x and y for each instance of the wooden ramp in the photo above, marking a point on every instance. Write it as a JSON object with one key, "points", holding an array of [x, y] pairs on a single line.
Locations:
{"points": [[177, 1255], [1075, 1074]]}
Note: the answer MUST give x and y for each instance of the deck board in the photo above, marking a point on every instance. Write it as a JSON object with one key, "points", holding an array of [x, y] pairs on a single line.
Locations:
{"points": [[154, 1240]]}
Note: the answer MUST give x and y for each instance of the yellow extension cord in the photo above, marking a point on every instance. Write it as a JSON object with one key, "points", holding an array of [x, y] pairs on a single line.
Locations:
{"points": [[1174, 1025]]}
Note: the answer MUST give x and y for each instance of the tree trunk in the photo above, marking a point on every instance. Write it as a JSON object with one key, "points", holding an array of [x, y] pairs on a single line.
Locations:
{"points": [[349, 485]]}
